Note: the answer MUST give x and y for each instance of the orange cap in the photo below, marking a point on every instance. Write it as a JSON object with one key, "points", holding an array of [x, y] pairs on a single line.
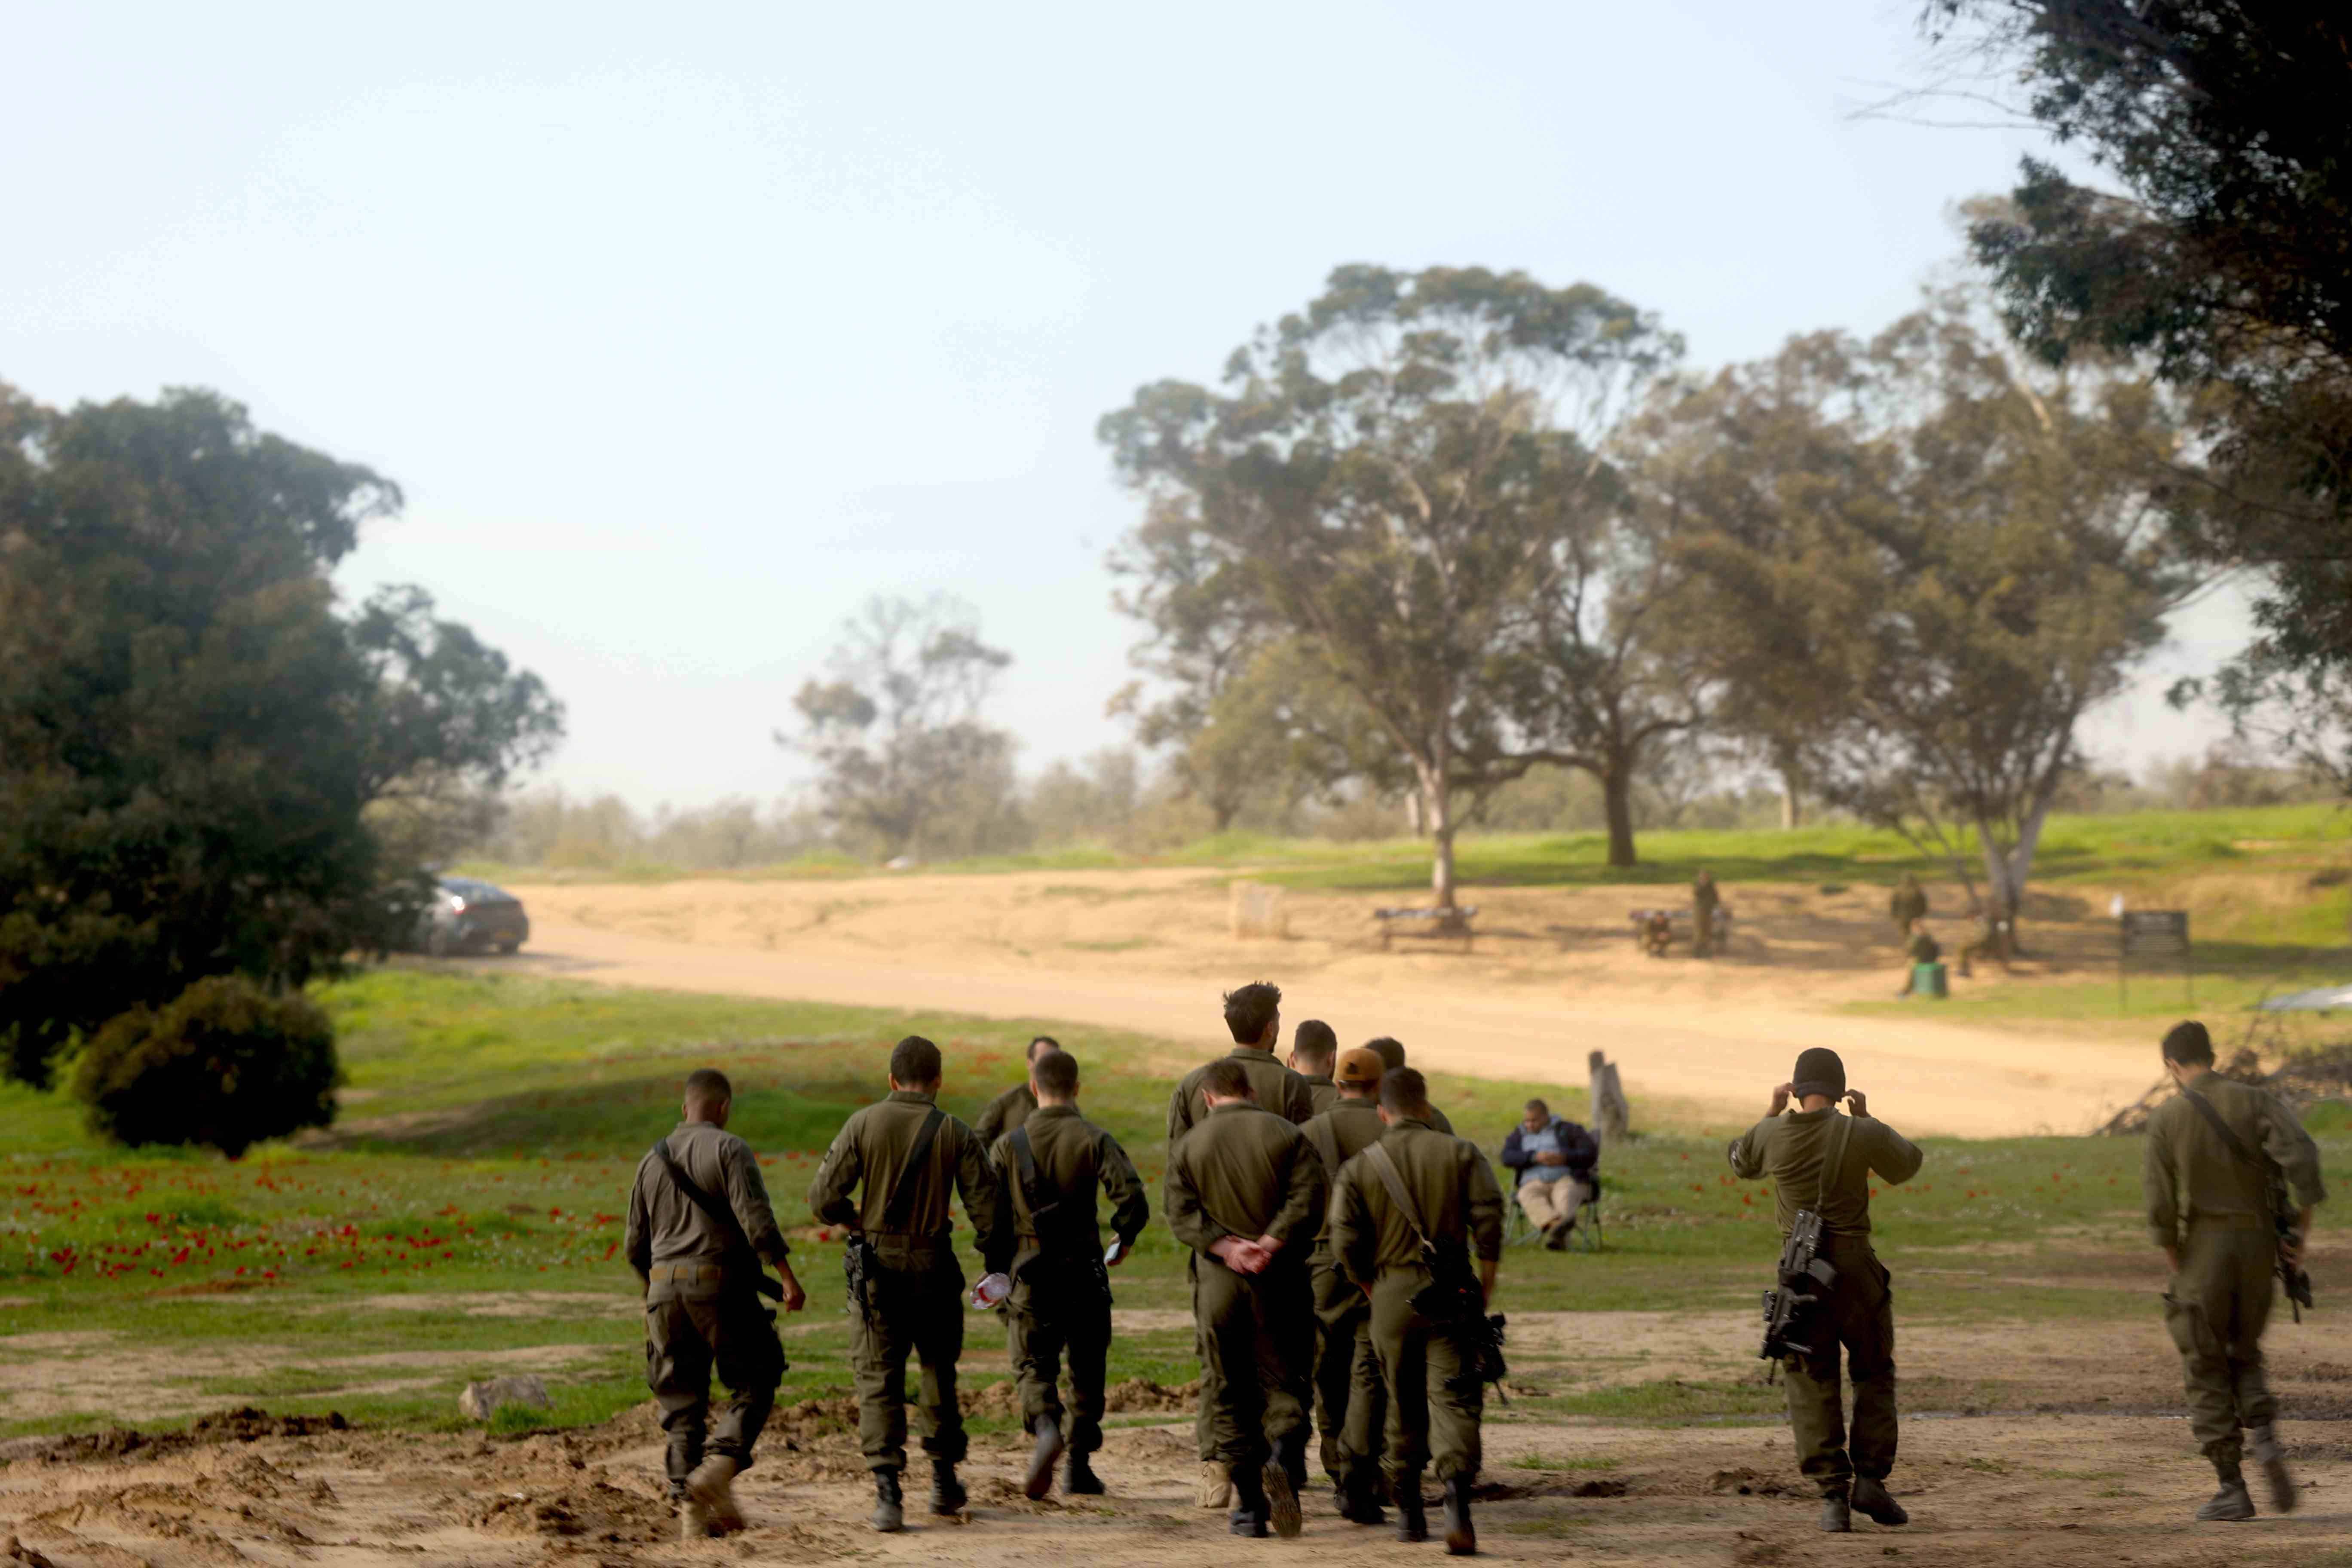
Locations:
{"points": [[1358, 1065]]}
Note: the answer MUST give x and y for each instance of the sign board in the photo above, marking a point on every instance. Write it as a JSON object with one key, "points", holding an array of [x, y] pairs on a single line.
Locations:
{"points": [[2155, 939]]}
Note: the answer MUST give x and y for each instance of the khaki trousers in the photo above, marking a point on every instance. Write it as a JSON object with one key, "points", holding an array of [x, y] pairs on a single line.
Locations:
{"points": [[1548, 1204], [2216, 1311]]}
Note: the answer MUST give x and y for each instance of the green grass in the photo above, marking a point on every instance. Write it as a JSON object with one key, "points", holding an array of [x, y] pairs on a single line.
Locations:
{"points": [[497, 1120]]}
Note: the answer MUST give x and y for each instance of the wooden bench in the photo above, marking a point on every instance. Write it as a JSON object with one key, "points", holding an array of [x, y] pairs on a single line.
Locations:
{"points": [[1653, 939], [1454, 921]]}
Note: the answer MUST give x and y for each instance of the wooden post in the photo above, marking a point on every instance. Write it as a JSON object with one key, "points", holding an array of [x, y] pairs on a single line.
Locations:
{"points": [[1612, 1118]]}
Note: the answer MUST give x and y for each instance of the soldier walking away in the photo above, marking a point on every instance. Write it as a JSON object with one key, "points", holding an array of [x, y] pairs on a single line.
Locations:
{"points": [[1820, 1160], [699, 1227], [1391, 1051], [1350, 1400], [1554, 1158], [2231, 1178], [1314, 1047], [1908, 905], [1051, 1167], [1246, 1192], [1705, 902], [889, 1178], [1408, 1215], [1011, 1109]]}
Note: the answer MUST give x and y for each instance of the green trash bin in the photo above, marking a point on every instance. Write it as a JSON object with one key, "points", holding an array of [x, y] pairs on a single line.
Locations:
{"points": [[1931, 980]]}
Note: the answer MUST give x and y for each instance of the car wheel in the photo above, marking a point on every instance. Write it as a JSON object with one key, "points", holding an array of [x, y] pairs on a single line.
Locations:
{"points": [[509, 948]]}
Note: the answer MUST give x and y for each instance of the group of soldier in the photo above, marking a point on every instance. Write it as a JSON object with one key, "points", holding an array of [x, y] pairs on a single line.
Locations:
{"points": [[1316, 1201]]}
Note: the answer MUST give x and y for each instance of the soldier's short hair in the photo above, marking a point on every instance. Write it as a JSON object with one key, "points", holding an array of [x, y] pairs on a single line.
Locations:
{"points": [[1392, 1051], [2188, 1044], [915, 1060], [1250, 1009], [1056, 1072], [1226, 1079], [1040, 1044], [1315, 1044], [709, 1086], [1404, 1092]]}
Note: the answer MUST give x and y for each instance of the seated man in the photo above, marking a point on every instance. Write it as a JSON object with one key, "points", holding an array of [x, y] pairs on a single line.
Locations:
{"points": [[1554, 1158], [1922, 949]]}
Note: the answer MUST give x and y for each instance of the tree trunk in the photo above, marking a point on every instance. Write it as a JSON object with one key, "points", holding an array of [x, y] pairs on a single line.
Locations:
{"points": [[1612, 1118], [1617, 797], [1441, 833], [1792, 811], [1412, 812]]}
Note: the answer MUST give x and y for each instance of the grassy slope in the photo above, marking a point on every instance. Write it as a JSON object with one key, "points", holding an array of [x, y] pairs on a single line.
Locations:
{"points": [[497, 1122]]}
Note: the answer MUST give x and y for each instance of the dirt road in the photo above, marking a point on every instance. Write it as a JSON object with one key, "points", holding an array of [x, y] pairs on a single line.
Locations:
{"points": [[1552, 976]]}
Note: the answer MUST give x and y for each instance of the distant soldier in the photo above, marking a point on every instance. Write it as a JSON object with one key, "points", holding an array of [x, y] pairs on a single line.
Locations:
{"points": [[1705, 902], [1921, 948], [1350, 1400], [2216, 1154], [889, 1177], [699, 1229], [1907, 906], [1392, 1054], [1313, 1049], [1246, 1192], [1989, 942], [1414, 1189], [1052, 1167], [1011, 1109], [1818, 1159]]}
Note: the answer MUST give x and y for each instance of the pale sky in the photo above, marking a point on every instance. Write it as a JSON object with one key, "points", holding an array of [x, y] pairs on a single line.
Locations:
{"points": [[688, 328]]}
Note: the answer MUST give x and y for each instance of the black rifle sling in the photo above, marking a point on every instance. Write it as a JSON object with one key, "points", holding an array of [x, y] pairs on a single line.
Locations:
{"points": [[2236, 1145], [1024, 1161], [902, 1193], [1393, 1181], [717, 1213]]}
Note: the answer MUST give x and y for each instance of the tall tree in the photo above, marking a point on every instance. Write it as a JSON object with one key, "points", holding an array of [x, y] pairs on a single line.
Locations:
{"points": [[190, 735], [1928, 559], [1386, 482], [897, 733]]}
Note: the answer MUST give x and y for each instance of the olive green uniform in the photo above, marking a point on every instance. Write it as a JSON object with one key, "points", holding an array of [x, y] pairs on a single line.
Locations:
{"points": [[1061, 1296], [1908, 903], [1322, 1094], [1242, 1172], [2216, 1208], [702, 1302], [915, 1303], [1436, 1395], [1349, 1398], [1792, 1152], [1006, 1112]]}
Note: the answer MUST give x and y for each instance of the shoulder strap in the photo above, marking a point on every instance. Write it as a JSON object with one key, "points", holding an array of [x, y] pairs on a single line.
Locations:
{"points": [[2237, 1145], [718, 1213], [1393, 1180], [1833, 1158], [902, 1194], [1025, 1165]]}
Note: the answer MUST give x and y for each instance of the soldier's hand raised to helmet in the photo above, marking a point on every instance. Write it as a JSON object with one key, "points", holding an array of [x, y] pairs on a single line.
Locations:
{"points": [[1780, 1099], [1857, 1103]]}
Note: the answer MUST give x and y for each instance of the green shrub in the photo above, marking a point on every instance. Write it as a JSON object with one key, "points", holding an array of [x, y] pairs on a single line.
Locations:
{"points": [[225, 1065]]}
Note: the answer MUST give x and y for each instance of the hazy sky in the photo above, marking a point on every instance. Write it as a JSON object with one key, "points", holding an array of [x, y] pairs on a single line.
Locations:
{"points": [[686, 329]]}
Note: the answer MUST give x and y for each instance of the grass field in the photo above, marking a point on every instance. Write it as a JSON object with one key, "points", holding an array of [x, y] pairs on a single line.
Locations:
{"points": [[469, 1211]]}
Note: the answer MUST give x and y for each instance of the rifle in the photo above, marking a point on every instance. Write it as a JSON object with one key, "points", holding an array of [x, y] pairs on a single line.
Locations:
{"points": [[1452, 1296], [2291, 1277], [1805, 1278]]}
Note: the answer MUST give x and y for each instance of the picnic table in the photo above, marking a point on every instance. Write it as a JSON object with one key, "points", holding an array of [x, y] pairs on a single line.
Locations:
{"points": [[1450, 923]]}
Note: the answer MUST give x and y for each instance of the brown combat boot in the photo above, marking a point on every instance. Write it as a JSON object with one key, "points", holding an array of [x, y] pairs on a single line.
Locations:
{"points": [[2269, 1453], [712, 1484]]}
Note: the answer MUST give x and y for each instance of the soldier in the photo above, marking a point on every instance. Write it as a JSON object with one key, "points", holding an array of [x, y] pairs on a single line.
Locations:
{"points": [[699, 1227], [1011, 1109], [1392, 1054], [1051, 1167], [1313, 1049], [1989, 942], [1907, 906], [1705, 902], [1253, 1018], [1818, 1159], [1245, 1191], [905, 1291], [1350, 1400], [1414, 1187], [2209, 1174], [1921, 948]]}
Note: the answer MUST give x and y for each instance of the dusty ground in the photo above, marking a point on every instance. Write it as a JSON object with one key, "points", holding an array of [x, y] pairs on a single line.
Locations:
{"points": [[2083, 1461], [1553, 974]]}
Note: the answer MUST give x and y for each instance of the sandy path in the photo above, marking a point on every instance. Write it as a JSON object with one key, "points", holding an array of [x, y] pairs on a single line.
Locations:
{"points": [[1718, 1052]]}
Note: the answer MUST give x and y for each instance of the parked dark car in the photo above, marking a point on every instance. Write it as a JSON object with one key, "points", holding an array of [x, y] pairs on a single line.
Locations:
{"points": [[469, 916]]}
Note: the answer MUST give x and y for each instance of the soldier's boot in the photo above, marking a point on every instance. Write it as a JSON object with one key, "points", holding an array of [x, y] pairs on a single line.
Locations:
{"points": [[1046, 1452], [1250, 1503], [1837, 1514], [1216, 1486], [1285, 1471], [1411, 1522], [2231, 1502], [712, 1484], [947, 1492], [2271, 1455], [693, 1520], [890, 1503], [1080, 1479], [1873, 1498], [1360, 1494], [1461, 1540]]}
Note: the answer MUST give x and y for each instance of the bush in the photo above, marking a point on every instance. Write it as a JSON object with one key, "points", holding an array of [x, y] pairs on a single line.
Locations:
{"points": [[225, 1065]]}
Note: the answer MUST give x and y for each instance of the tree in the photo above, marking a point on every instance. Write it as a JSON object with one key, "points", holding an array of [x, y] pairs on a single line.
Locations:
{"points": [[225, 1065], [1386, 485], [2222, 256], [897, 733], [190, 736], [1924, 559]]}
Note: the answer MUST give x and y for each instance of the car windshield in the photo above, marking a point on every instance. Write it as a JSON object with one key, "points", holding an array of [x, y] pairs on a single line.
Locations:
{"points": [[472, 892]]}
